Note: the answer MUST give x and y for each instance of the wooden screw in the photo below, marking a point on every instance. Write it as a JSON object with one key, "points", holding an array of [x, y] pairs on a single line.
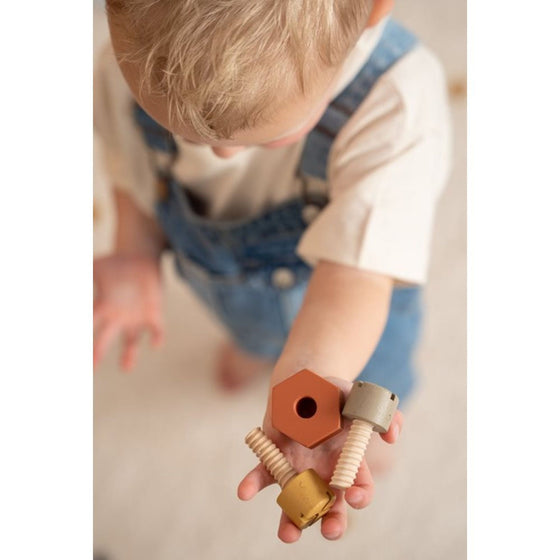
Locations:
{"points": [[371, 408]]}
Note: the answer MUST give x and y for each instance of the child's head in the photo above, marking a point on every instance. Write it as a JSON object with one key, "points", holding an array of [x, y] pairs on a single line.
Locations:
{"points": [[237, 72]]}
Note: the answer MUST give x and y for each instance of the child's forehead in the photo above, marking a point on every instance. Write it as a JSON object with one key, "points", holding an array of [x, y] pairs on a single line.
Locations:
{"points": [[291, 117], [292, 121]]}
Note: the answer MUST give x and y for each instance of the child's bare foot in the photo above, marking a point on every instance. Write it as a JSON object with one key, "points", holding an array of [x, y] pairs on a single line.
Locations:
{"points": [[237, 369]]}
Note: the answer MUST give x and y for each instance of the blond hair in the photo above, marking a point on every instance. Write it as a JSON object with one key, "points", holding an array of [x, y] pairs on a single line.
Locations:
{"points": [[227, 65]]}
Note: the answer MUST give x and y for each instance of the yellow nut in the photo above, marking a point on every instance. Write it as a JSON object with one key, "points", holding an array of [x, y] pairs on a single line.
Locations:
{"points": [[306, 498]]}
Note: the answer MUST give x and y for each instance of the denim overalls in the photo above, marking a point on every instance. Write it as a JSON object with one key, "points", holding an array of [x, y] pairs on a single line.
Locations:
{"points": [[247, 271]]}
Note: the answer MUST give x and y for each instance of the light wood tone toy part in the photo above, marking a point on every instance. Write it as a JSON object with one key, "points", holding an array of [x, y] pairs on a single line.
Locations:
{"points": [[305, 497], [371, 408]]}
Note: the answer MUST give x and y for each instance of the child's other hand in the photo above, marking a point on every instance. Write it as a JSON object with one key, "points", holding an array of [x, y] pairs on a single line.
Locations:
{"points": [[127, 302], [323, 459]]}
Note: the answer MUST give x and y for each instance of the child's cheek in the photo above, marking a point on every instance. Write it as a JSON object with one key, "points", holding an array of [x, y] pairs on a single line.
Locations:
{"points": [[283, 142], [293, 138], [290, 139], [227, 152]]}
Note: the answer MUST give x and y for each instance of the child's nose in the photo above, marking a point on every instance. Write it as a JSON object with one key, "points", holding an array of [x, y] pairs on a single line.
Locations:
{"points": [[227, 152]]}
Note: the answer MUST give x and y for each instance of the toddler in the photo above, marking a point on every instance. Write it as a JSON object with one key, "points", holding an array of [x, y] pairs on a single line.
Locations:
{"points": [[290, 153]]}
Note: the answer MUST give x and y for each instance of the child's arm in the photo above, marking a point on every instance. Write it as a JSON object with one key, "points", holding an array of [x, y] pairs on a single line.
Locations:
{"points": [[339, 324], [338, 327], [128, 284], [136, 232]]}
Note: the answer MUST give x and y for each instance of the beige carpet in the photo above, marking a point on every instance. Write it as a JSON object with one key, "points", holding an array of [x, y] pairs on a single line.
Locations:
{"points": [[169, 448]]}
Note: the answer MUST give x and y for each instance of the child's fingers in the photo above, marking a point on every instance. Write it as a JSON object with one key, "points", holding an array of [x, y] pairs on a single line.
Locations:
{"points": [[287, 531], [394, 429], [334, 522], [98, 313], [130, 350], [103, 340], [360, 494], [156, 333], [254, 482]]}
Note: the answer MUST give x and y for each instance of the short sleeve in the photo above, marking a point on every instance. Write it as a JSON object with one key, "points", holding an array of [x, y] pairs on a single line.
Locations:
{"points": [[124, 153], [387, 168]]}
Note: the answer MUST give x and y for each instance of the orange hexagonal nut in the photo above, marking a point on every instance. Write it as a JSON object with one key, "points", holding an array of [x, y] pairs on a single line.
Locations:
{"points": [[306, 408]]}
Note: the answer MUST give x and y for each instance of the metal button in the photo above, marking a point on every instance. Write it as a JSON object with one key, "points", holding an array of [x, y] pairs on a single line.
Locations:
{"points": [[310, 212], [283, 278]]}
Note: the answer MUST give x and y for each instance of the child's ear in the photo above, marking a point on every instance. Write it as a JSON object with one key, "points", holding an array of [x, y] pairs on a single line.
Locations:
{"points": [[380, 9]]}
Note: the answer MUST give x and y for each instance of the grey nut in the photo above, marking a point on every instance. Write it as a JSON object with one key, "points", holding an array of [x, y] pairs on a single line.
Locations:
{"points": [[371, 403]]}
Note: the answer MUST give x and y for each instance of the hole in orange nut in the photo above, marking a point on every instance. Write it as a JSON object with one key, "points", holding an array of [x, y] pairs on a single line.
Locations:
{"points": [[306, 407]]}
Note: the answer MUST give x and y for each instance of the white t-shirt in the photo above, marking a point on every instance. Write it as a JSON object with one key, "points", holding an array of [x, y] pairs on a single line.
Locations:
{"points": [[386, 169]]}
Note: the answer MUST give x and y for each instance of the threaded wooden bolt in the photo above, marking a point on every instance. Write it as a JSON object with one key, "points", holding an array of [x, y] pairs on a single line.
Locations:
{"points": [[371, 408], [270, 456], [305, 497], [352, 454]]}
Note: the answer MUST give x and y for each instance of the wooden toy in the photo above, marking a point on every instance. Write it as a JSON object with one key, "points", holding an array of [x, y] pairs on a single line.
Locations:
{"points": [[371, 408], [306, 408], [305, 497]]}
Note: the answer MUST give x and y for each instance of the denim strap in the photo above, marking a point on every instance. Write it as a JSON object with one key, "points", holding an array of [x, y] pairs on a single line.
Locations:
{"points": [[395, 42], [156, 136]]}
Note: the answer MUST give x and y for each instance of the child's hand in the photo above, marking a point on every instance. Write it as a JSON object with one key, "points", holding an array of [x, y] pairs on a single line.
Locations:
{"points": [[323, 459], [127, 302]]}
